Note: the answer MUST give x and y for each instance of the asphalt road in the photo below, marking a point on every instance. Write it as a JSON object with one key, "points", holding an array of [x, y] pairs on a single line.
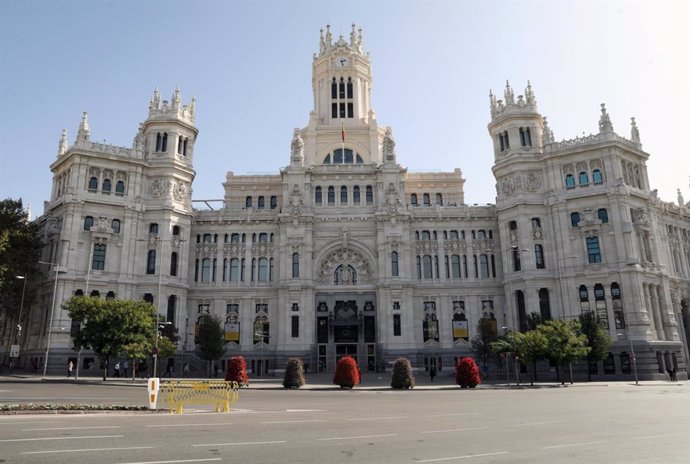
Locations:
{"points": [[619, 423]]}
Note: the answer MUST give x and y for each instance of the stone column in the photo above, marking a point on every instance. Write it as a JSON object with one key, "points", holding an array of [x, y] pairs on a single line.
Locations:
{"points": [[650, 309]]}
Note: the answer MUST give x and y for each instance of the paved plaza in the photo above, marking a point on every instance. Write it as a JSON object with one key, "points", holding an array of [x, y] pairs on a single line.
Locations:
{"points": [[599, 422]]}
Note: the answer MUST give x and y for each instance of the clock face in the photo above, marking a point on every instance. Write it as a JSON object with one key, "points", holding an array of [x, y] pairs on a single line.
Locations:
{"points": [[341, 62]]}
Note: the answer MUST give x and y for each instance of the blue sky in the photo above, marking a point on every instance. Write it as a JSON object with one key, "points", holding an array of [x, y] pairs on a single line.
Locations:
{"points": [[249, 65]]}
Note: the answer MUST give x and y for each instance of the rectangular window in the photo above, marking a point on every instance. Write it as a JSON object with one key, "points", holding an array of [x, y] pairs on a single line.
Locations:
{"points": [[98, 261], [295, 326], [593, 250], [539, 256], [334, 110], [396, 325]]}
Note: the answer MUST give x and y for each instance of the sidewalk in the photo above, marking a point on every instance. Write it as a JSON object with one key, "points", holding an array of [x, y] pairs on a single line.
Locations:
{"points": [[370, 381]]}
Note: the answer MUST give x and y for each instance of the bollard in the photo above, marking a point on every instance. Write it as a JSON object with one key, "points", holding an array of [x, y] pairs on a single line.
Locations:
{"points": [[154, 385]]}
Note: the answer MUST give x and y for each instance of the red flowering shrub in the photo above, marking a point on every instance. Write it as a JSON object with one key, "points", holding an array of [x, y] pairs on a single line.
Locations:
{"points": [[346, 372], [237, 371], [467, 373]]}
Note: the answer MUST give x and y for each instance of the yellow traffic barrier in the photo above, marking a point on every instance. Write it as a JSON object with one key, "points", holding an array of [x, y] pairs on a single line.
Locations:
{"points": [[185, 392]]}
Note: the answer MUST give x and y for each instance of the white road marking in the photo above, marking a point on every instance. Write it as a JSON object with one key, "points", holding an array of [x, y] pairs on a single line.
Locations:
{"points": [[458, 414], [72, 428], [573, 444], [19, 422], [359, 436], [536, 423], [294, 421], [467, 456], [190, 425], [241, 443], [87, 449], [306, 410], [456, 430], [666, 435], [176, 461], [60, 438], [378, 418]]}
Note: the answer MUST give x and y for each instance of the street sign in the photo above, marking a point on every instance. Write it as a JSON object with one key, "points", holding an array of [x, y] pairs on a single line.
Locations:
{"points": [[14, 351]]}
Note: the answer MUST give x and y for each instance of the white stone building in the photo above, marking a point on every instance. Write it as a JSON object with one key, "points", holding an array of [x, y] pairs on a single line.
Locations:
{"points": [[345, 252]]}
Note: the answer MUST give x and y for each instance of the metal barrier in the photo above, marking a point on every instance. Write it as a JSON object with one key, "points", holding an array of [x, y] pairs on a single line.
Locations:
{"points": [[186, 392]]}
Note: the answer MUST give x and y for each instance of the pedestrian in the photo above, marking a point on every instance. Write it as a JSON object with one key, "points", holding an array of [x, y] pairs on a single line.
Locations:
{"points": [[116, 371], [185, 370], [34, 365], [674, 374], [144, 369], [70, 366], [169, 368], [432, 373], [669, 371], [125, 368]]}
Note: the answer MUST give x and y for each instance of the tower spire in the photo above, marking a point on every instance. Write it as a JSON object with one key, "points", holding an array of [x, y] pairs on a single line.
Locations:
{"points": [[62, 146], [508, 94], [634, 131], [605, 120], [84, 132], [547, 133], [529, 95]]}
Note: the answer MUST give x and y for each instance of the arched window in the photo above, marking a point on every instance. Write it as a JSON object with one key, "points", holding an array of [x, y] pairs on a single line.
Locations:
{"points": [[574, 219], [464, 265], [263, 270], [345, 275], [426, 199], [153, 228], [413, 199], [98, 261], [206, 270], [355, 194], [175, 231], [512, 225], [426, 265], [506, 140], [593, 250], [295, 265], [439, 199], [536, 223], [343, 195], [603, 215], [274, 202], [340, 157], [394, 264], [88, 222], [260, 204], [151, 262], [93, 184], [318, 196], [426, 235], [539, 256], [481, 234], [107, 185], [517, 263], [173, 263], [369, 195], [159, 140], [331, 195], [596, 177], [419, 267], [583, 178], [164, 143], [544, 304], [455, 266], [248, 202], [115, 225], [454, 235], [263, 237], [569, 181], [234, 270]]}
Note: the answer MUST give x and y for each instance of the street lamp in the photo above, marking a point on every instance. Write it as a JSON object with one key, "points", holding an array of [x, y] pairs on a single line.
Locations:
{"points": [[632, 352], [18, 334], [52, 313]]}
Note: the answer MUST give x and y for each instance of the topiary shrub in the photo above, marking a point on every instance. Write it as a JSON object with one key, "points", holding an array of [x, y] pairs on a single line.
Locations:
{"points": [[402, 374], [237, 371], [467, 373], [294, 373], [346, 372]]}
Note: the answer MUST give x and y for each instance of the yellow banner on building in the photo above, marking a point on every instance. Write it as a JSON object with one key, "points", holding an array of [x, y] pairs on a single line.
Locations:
{"points": [[460, 329], [232, 332]]}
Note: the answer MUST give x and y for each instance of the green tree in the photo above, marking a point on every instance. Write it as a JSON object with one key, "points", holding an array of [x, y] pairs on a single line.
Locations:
{"points": [[210, 342], [503, 348], [532, 346], [481, 342], [109, 327], [564, 343], [20, 249], [598, 339], [136, 350]]}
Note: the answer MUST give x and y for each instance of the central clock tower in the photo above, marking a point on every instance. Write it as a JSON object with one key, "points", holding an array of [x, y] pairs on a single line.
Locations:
{"points": [[341, 81]]}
